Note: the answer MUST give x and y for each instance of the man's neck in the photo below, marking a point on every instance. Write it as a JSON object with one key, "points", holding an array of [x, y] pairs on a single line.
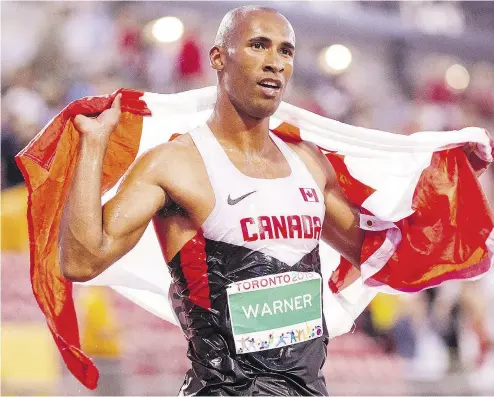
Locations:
{"points": [[239, 132]]}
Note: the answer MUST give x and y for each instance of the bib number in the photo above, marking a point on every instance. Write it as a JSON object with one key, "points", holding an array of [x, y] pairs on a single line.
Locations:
{"points": [[273, 311]]}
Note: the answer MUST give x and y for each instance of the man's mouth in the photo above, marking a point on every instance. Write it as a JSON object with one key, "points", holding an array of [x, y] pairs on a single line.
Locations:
{"points": [[270, 83], [270, 87]]}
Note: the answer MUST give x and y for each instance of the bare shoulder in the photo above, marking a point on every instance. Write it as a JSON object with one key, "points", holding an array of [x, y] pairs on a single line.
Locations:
{"points": [[180, 146], [177, 167], [162, 159], [306, 149], [314, 159]]}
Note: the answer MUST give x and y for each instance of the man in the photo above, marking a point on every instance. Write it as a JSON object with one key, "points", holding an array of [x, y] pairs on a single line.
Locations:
{"points": [[246, 206], [253, 56]]}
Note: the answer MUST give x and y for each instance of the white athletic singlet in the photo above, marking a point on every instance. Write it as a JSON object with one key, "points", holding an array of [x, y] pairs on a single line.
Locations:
{"points": [[280, 217]]}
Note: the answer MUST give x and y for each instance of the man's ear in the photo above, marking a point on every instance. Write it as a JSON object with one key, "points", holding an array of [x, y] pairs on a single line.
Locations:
{"points": [[217, 57]]}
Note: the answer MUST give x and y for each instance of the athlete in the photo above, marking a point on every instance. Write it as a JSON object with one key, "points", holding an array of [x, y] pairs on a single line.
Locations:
{"points": [[235, 209]]}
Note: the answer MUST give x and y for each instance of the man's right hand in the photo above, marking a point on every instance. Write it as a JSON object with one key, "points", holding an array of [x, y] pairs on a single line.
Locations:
{"points": [[91, 238], [101, 127]]}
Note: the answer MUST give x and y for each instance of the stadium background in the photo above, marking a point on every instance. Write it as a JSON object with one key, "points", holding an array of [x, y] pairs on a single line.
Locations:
{"points": [[396, 66]]}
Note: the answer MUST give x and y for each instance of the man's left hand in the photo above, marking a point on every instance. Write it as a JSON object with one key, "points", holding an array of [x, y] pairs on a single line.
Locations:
{"points": [[478, 165]]}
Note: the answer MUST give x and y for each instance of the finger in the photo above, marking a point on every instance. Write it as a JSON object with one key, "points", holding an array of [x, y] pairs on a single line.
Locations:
{"points": [[117, 102], [81, 122], [79, 119]]}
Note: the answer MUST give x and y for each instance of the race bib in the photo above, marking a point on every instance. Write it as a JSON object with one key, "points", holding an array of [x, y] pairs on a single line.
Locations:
{"points": [[274, 311]]}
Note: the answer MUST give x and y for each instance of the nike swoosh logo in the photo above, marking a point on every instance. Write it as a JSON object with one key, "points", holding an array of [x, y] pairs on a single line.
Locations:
{"points": [[237, 200]]}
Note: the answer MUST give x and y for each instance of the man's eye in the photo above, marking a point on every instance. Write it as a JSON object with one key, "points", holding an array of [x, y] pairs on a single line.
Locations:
{"points": [[286, 51], [258, 46]]}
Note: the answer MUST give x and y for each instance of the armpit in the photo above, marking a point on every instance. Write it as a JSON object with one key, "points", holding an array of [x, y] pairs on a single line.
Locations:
{"points": [[171, 210]]}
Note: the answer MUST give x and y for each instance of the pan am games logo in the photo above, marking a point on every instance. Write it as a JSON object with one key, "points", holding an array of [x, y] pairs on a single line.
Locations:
{"points": [[280, 338]]}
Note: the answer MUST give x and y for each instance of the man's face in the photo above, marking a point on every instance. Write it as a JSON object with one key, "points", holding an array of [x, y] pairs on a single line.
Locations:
{"points": [[258, 63]]}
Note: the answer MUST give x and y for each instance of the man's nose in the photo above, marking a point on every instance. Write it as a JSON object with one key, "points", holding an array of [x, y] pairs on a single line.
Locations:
{"points": [[273, 62]]}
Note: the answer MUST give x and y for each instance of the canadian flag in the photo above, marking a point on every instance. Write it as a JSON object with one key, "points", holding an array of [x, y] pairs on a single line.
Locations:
{"points": [[309, 194], [409, 183]]}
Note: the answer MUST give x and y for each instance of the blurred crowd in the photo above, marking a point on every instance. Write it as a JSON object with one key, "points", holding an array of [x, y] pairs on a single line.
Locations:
{"points": [[94, 48]]}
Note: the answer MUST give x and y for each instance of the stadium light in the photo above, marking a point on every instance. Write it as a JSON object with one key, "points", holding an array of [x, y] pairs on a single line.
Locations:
{"points": [[167, 29], [457, 77], [336, 58]]}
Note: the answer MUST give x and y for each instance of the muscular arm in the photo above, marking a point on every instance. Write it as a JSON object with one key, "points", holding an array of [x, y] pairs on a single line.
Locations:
{"points": [[341, 222], [92, 237]]}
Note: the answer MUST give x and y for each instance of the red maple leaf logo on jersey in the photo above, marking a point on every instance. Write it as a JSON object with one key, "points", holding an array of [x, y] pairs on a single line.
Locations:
{"points": [[309, 194]]}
